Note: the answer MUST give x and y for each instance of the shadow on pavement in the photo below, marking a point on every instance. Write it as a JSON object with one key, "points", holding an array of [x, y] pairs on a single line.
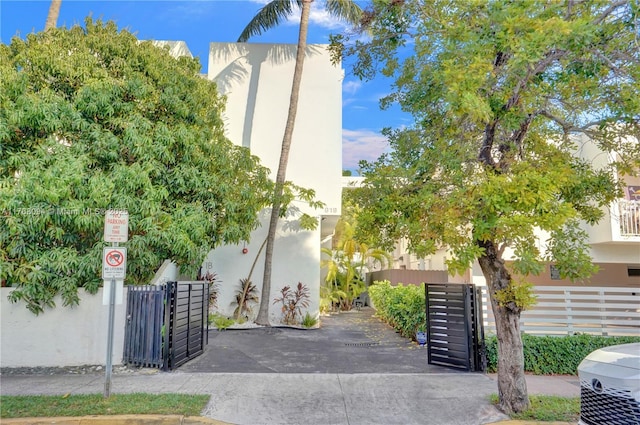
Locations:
{"points": [[348, 342]]}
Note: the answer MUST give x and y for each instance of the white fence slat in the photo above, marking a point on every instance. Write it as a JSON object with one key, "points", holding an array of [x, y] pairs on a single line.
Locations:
{"points": [[594, 305], [588, 289], [563, 310], [595, 314]]}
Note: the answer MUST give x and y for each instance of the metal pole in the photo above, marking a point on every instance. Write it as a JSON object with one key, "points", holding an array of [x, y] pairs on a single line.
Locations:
{"points": [[112, 306]]}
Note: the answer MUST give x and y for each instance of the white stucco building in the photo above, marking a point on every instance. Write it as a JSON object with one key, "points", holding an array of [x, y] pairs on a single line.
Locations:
{"points": [[256, 79]]}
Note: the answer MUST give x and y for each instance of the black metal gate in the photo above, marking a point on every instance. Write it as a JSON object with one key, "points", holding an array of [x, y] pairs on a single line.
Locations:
{"points": [[143, 329], [166, 324], [187, 319], [455, 336]]}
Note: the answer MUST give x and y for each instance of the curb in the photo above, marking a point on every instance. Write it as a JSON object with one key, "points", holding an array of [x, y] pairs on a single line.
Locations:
{"points": [[514, 422], [117, 420], [174, 420]]}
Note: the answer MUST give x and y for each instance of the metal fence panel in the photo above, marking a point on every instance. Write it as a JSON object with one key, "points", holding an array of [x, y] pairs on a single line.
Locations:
{"points": [[166, 325], [144, 324]]}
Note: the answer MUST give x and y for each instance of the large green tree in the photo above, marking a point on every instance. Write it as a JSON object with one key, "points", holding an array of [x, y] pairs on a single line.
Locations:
{"points": [[504, 95], [93, 119], [270, 16]]}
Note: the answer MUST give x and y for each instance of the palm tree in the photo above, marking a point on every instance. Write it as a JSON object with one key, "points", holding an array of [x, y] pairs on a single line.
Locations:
{"points": [[346, 265], [271, 15], [52, 16]]}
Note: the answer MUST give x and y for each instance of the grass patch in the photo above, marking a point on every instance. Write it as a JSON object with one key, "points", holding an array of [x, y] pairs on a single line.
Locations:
{"points": [[96, 404], [548, 409]]}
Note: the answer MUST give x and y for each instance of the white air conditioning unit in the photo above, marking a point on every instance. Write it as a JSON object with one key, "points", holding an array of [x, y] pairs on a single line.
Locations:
{"points": [[610, 386]]}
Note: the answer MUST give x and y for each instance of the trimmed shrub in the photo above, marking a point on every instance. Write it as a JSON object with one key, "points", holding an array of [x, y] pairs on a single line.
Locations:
{"points": [[549, 355], [402, 307]]}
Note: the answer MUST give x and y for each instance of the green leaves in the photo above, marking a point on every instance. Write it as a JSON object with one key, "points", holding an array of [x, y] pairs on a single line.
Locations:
{"points": [[525, 120], [555, 355], [568, 248], [91, 119], [401, 306]]}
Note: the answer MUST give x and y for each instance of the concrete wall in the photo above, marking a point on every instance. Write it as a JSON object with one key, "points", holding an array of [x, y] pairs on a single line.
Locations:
{"points": [[296, 259], [62, 336], [609, 275], [256, 79]]}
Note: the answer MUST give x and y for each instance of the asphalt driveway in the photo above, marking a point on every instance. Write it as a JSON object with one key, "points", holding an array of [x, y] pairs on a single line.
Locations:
{"points": [[348, 342]]}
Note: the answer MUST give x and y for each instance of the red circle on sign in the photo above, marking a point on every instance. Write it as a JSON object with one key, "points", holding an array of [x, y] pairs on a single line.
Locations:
{"points": [[114, 258]]}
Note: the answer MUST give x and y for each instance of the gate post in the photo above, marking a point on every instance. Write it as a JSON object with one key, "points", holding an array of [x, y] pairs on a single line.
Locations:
{"points": [[168, 328]]}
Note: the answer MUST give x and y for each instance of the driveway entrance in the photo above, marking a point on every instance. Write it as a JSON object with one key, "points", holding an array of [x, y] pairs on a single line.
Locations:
{"points": [[348, 342]]}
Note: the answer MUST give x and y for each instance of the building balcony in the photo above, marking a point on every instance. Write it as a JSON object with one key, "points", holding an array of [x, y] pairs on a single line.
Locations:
{"points": [[619, 226], [629, 218]]}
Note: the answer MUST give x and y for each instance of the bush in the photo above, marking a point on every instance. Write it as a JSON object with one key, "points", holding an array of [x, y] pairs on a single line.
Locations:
{"points": [[219, 321], [547, 355], [309, 321], [403, 307]]}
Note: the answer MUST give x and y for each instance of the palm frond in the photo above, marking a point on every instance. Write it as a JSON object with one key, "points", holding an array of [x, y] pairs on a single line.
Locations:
{"points": [[347, 10], [350, 247], [270, 16]]}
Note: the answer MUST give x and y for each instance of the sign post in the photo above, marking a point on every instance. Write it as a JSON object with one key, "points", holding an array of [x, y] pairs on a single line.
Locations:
{"points": [[114, 266]]}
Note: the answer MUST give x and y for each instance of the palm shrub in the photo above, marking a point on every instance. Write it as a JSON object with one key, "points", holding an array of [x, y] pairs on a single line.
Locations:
{"points": [[330, 296], [347, 264], [246, 298], [403, 307]]}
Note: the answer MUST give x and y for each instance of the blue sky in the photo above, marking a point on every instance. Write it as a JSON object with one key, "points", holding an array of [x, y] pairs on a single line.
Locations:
{"points": [[200, 22]]}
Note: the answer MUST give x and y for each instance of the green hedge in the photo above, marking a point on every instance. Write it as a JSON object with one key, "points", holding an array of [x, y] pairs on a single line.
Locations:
{"points": [[548, 355], [403, 307]]}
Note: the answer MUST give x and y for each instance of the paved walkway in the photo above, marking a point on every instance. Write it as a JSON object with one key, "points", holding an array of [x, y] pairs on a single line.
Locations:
{"points": [[349, 342], [355, 375]]}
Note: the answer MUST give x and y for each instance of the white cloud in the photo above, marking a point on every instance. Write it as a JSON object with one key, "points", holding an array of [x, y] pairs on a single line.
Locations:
{"points": [[351, 87], [362, 144], [352, 103], [318, 16], [192, 10]]}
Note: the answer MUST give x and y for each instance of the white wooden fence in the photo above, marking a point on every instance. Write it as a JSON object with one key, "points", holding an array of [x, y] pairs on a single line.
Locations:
{"points": [[567, 310]]}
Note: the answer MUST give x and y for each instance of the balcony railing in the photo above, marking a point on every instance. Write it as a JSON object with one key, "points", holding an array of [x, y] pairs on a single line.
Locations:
{"points": [[629, 217]]}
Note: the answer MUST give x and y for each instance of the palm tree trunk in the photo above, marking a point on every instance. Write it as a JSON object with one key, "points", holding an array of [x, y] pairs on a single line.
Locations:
{"points": [[52, 16], [263, 312]]}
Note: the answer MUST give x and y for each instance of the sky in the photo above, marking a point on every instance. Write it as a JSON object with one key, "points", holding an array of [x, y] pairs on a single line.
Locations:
{"points": [[200, 22]]}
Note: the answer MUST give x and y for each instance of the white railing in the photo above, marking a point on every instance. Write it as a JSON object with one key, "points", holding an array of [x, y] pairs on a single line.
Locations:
{"points": [[567, 310], [629, 217]]}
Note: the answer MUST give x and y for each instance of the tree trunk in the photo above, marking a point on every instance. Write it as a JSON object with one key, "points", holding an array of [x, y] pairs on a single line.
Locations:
{"points": [[263, 312], [52, 16], [512, 386]]}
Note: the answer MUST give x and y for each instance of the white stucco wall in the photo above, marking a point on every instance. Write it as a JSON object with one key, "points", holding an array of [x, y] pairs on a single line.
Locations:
{"points": [[256, 79], [62, 336]]}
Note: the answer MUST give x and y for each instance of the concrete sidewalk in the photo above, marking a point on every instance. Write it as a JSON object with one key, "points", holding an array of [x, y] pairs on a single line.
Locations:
{"points": [[313, 399]]}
